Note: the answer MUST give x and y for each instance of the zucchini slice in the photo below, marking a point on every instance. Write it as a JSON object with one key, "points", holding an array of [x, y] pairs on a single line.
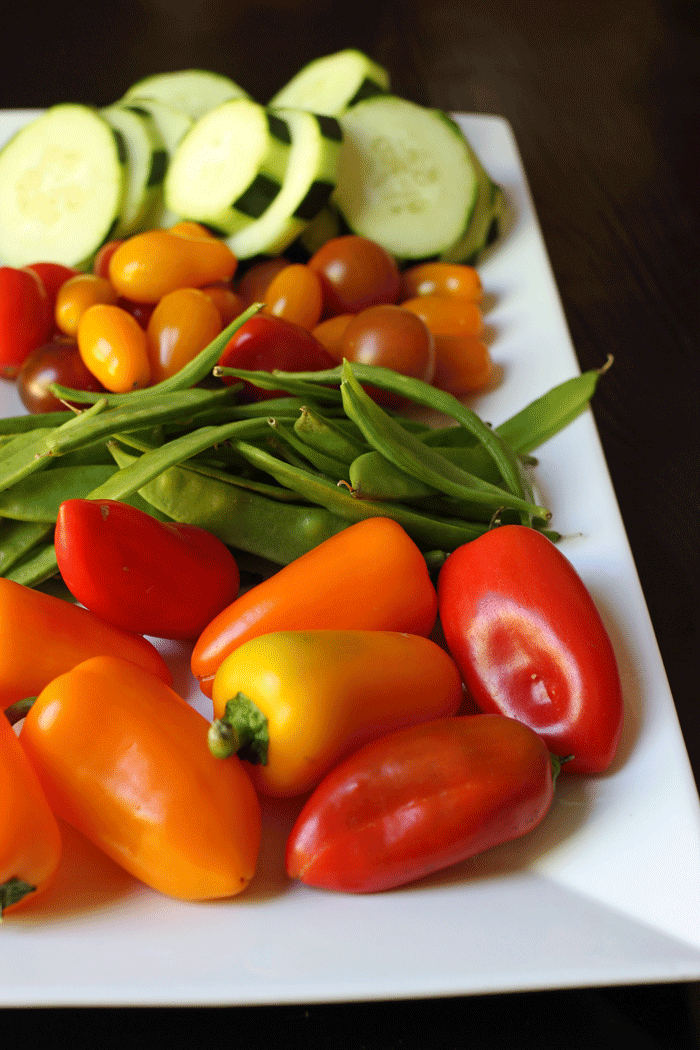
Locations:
{"points": [[308, 183], [485, 221], [229, 167], [192, 91], [329, 85], [62, 184], [406, 177], [172, 125], [147, 163]]}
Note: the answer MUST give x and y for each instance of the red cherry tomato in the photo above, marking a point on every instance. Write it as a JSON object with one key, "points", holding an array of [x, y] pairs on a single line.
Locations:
{"points": [[25, 317], [265, 342], [100, 265], [53, 275], [419, 800], [168, 580], [531, 644], [57, 361], [355, 273]]}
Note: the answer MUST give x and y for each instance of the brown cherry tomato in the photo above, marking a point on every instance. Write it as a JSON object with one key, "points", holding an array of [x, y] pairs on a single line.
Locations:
{"points": [[295, 294], [141, 311], [182, 324], [391, 337], [150, 264], [114, 347], [57, 361], [355, 273], [445, 316], [455, 280], [253, 284], [76, 295]]}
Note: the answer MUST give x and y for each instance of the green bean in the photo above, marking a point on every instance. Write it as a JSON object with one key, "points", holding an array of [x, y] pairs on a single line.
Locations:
{"points": [[326, 436], [190, 374], [332, 468], [426, 530], [17, 538], [297, 386], [421, 461], [39, 421]]}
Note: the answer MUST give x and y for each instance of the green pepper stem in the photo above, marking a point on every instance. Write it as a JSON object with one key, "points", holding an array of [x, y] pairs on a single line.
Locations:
{"points": [[242, 730], [17, 711]]}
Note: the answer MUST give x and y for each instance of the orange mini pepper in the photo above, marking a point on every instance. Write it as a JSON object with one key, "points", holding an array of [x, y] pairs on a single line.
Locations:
{"points": [[369, 576], [30, 839], [125, 760], [293, 702], [42, 636]]}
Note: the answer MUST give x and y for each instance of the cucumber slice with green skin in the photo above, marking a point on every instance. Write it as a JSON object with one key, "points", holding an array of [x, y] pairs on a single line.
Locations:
{"points": [[329, 85], [324, 227], [484, 222], [147, 163], [308, 183], [406, 177], [172, 126], [62, 183], [229, 167], [192, 91]]}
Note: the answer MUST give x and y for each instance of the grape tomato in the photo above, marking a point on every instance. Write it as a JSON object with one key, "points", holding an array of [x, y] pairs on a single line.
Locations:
{"points": [[295, 294], [114, 348], [455, 280], [182, 324], [446, 316], [76, 295]]}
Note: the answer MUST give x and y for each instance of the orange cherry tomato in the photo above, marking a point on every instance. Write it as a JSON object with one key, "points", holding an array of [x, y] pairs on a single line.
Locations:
{"points": [[455, 280], [330, 333], [76, 295], [295, 294], [182, 324], [114, 347], [462, 363], [229, 303], [355, 273], [100, 264], [253, 284], [149, 265], [447, 316], [391, 337]]}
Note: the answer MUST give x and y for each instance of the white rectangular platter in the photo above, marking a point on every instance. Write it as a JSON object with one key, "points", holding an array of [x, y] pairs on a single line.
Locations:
{"points": [[605, 891]]}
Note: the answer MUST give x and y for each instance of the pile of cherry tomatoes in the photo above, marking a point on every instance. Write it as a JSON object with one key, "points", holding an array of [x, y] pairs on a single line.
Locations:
{"points": [[153, 301]]}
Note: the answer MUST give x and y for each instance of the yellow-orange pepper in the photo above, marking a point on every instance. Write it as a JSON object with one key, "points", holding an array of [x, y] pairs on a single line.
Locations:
{"points": [[124, 759], [42, 636], [293, 702], [30, 839]]}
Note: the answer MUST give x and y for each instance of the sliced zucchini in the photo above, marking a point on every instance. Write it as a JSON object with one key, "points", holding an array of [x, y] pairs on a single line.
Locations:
{"points": [[192, 91], [308, 183], [229, 167], [324, 227], [485, 220], [329, 85], [406, 178], [147, 163], [172, 126], [62, 183]]}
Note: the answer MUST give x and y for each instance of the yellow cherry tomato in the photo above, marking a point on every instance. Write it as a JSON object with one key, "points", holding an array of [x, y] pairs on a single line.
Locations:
{"points": [[114, 348], [76, 295], [149, 265], [182, 324], [295, 294]]}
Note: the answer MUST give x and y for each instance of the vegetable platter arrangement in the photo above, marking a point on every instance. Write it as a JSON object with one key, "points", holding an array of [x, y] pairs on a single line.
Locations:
{"points": [[308, 644]]}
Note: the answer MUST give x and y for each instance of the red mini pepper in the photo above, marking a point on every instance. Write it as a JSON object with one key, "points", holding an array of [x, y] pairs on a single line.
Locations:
{"points": [[530, 643], [164, 579], [418, 800]]}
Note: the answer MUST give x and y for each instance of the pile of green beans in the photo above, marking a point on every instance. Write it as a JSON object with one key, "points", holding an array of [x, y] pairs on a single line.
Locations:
{"points": [[274, 478]]}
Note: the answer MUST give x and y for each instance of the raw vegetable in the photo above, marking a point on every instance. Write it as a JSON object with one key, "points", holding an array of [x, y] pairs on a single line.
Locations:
{"points": [[167, 580], [190, 91], [147, 161], [125, 761], [370, 576], [56, 361], [25, 317], [531, 644], [331, 84], [114, 347], [356, 273], [149, 265], [292, 702], [62, 184], [183, 323], [30, 839], [42, 636]]}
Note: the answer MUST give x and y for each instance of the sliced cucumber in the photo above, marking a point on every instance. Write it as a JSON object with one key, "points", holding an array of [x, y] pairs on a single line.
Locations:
{"points": [[325, 226], [405, 177], [229, 167], [147, 163], [172, 126], [485, 220], [192, 91], [62, 183], [329, 85], [308, 183]]}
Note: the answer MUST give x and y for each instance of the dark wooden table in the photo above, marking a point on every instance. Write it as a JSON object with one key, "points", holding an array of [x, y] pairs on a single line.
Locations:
{"points": [[604, 99]]}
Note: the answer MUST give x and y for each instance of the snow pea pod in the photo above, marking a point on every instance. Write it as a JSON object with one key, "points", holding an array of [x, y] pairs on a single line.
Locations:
{"points": [[38, 497], [326, 464], [17, 539], [326, 436]]}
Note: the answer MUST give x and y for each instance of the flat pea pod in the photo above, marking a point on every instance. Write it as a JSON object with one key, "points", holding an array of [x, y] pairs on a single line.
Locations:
{"points": [[426, 464], [36, 567], [326, 464], [38, 497], [18, 538]]}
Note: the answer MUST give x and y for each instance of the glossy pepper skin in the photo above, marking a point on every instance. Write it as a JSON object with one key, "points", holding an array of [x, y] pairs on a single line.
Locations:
{"points": [[164, 579], [124, 759], [531, 644], [325, 692], [30, 838], [419, 800], [369, 576], [42, 636]]}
